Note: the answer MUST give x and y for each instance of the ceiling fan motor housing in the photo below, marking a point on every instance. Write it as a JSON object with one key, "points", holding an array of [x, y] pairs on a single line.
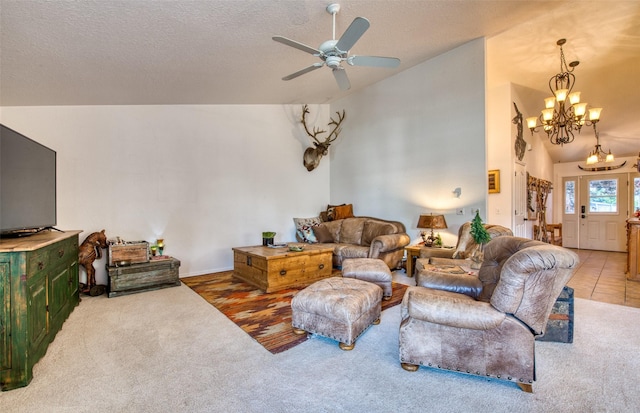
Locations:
{"points": [[333, 61]]}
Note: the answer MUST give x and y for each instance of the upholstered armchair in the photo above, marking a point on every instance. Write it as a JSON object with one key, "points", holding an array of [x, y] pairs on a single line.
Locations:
{"points": [[490, 332], [465, 244]]}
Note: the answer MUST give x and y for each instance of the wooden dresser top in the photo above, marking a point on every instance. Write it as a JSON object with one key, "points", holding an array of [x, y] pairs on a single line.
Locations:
{"points": [[36, 241]]}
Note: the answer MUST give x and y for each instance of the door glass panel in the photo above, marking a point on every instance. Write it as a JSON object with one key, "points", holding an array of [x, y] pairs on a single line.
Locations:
{"points": [[603, 196], [570, 197], [636, 194]]}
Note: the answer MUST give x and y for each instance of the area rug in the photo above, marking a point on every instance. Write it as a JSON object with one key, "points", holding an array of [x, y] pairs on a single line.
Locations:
{"points": [[264, 316]]}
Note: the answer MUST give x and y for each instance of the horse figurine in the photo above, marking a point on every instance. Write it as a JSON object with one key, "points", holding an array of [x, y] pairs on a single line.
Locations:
{"points": [[90, 249]]}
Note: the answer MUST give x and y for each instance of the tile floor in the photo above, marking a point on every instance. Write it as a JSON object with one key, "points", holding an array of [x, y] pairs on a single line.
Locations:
{"points": [[601, 277]]}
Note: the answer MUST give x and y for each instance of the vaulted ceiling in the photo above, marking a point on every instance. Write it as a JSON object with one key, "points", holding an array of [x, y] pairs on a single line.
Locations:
{"points": [[129, 52]]}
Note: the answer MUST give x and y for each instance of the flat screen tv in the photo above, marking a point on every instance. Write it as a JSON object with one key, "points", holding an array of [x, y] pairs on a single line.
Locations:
{"points": [[27, 185]]}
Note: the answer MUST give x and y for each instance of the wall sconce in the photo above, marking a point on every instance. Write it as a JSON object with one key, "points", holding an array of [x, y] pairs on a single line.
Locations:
{"points": [[457, 192]]}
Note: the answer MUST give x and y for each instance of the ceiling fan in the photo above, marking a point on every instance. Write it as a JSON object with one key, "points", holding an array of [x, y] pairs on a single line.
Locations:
{"points": [[334, 52]]}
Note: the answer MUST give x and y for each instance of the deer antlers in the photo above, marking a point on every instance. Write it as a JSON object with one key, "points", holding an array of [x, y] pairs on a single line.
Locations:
{"points": [[312, 156], [317, 131]]}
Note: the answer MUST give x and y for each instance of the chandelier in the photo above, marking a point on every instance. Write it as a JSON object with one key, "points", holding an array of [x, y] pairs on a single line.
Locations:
{"points": [[564, 113], [598, 155]]}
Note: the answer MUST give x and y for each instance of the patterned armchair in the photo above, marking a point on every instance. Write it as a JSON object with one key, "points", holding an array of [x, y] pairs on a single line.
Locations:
{"points": [[494, 334]]}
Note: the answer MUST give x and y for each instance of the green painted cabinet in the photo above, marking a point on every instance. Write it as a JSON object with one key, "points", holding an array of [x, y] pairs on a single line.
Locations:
{"points": [[38, 291]]}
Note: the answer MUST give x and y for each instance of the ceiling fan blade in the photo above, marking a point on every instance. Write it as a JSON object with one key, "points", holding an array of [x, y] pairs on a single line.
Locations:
{"points": [[295, 44], [303, 71], [341, 77], [375, 61], [352, 34]]}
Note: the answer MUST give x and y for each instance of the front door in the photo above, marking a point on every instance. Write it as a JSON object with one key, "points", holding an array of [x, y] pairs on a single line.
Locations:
{"points": [[520, 201], [570, 212], [603, 212]]}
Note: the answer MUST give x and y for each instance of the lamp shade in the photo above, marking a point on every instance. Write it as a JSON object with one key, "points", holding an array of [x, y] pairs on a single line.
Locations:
{"points": [[432, 222]]}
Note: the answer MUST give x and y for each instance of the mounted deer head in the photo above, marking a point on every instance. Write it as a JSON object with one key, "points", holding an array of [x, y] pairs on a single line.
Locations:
{"points": [[312, 155]]}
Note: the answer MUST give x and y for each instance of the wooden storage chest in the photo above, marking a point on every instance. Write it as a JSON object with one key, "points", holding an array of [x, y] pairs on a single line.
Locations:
{"points": [[560, 324], [273, 269], [133, 252], [136, 278]]}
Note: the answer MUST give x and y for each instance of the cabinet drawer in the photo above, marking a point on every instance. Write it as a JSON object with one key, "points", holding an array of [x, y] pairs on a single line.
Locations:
{"points": [[322, 263], [63, 253], [37, 262], [286, 269]]}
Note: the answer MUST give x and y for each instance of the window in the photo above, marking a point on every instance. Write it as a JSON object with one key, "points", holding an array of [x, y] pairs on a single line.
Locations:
{"points": [[570, 197], [636, 194], [603, 195]]}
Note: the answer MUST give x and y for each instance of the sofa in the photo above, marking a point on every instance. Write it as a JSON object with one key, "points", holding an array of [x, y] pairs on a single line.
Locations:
{"points": [[359, 237]]}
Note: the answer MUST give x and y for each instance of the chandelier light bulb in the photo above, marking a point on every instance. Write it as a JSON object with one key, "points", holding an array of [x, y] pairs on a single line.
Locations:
{"points": [[594, 114], [610, 157], [547, 115], [574, 98], [580, 109], [532, 122], [550, 103], [561, 94]]}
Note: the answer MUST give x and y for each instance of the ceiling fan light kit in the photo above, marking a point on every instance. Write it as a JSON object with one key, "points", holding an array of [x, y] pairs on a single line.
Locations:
{"points": [[334, 52]]}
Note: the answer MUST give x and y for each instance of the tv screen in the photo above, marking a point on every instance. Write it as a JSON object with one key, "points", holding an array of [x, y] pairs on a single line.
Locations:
{"points": [[27, 184]]}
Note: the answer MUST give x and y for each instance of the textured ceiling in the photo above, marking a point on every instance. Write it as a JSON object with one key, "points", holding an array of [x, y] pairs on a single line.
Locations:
{"points": [[117, 52]]}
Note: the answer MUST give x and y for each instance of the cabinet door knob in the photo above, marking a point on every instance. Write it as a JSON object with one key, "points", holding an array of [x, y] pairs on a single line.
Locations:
{"points": [[61, 253], [283, 272], [321, 266], [40, 265]]}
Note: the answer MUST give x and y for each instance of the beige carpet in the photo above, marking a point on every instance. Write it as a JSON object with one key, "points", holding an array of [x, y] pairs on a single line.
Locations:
{"points": [[170, 351]]}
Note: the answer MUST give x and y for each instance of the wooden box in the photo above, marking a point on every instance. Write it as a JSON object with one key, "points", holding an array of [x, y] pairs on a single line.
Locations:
{"points": [[560, 324], [133, 252], [136, 278], [275, 269]]}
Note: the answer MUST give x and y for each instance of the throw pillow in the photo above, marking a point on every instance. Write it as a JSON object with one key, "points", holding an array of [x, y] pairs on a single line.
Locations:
{"points": [[304, 228], [334, 228], [331, 212], [322, 233], [343, 211]]}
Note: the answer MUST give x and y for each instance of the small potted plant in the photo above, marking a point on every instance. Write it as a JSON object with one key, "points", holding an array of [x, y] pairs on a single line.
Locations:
{"points": [[481, 237], [267, 238]]}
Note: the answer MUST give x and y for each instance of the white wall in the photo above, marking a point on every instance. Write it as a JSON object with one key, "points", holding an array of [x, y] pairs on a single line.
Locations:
{"points": [[500, 152], [501, 136], [205, 178], [410, 140]]}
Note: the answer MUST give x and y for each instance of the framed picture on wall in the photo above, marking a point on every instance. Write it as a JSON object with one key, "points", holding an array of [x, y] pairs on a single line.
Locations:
{"points": [[494, 181]]}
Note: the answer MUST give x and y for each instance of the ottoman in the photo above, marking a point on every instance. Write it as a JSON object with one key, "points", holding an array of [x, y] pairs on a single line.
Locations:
{"points": [[337, 308], [369, 269]]}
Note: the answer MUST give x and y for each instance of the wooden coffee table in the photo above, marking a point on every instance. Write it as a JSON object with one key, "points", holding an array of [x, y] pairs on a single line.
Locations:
{"points": [[273, 269]]}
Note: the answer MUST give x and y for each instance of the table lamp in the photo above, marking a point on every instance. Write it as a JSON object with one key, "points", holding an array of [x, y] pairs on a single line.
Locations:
{"points": [[431, 222]]}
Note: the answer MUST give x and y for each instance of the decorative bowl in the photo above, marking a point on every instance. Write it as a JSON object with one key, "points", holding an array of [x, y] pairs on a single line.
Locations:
{"points": [[296, 248]]}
